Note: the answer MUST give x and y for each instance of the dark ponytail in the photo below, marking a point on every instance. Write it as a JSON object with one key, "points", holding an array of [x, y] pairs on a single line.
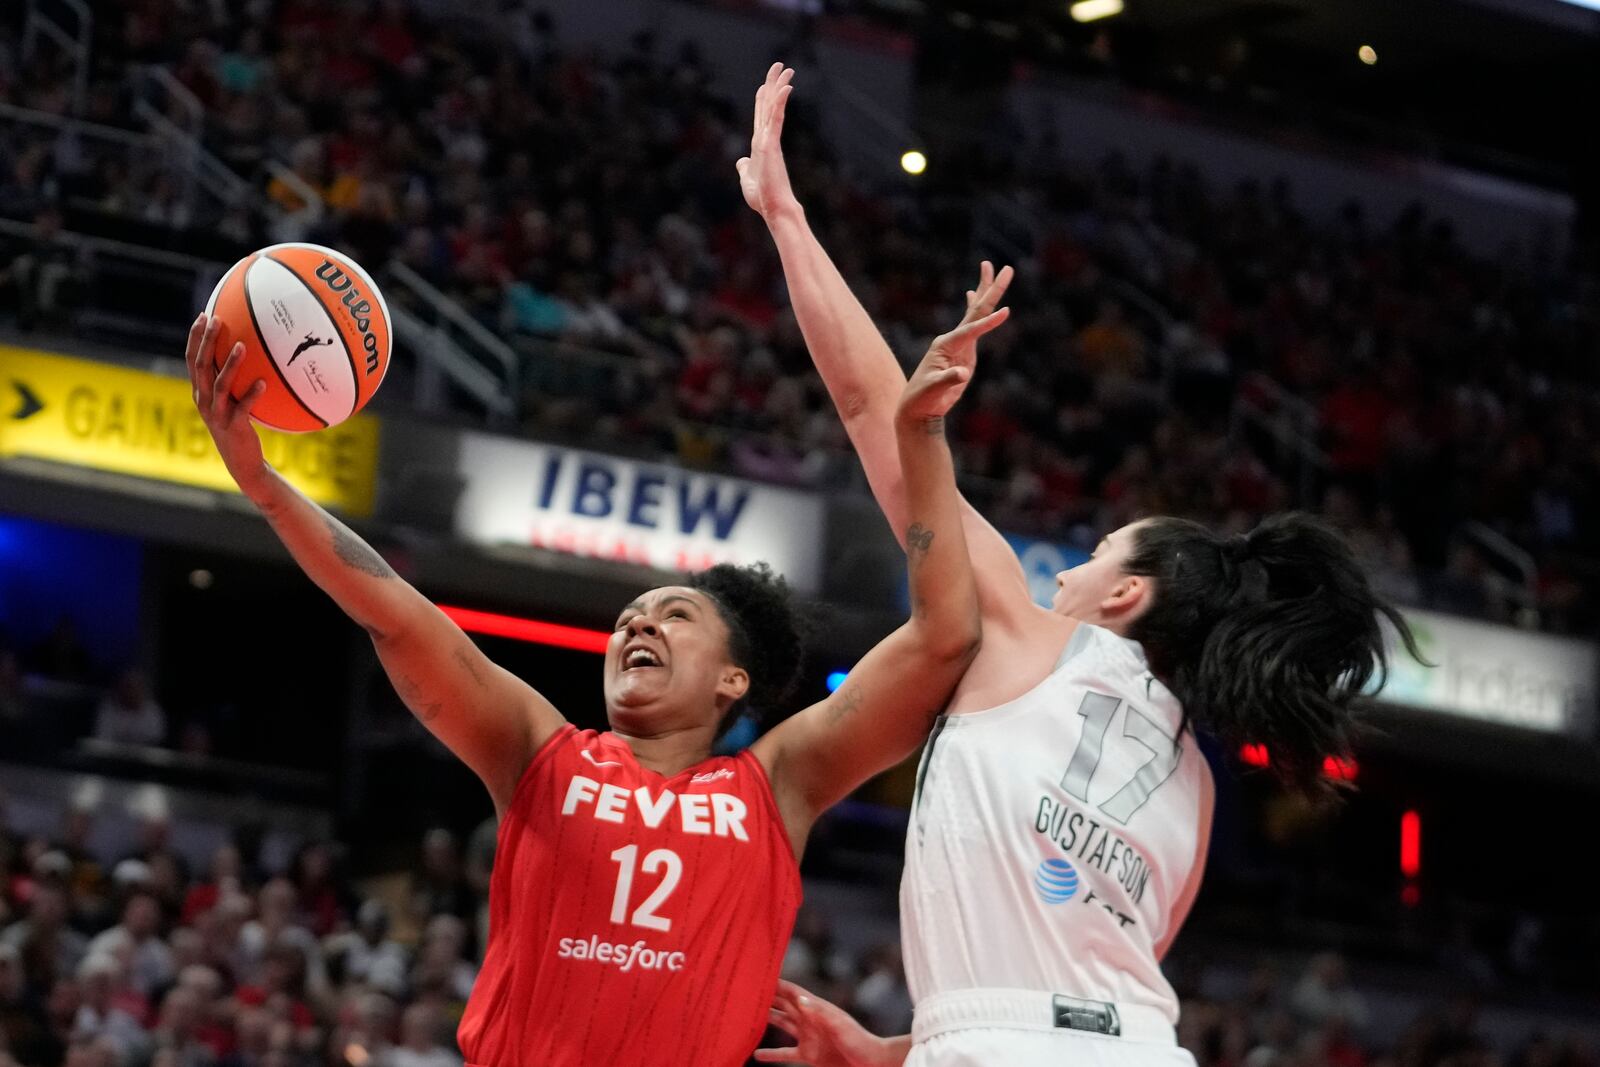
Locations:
{"points": [[1267, 638]]}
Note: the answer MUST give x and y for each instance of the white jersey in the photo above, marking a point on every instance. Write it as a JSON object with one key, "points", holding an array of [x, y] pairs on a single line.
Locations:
{"points": [[1057, 841]]}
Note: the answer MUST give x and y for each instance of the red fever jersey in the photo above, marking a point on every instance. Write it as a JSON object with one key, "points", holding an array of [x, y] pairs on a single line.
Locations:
{"points": [[633, 919]]}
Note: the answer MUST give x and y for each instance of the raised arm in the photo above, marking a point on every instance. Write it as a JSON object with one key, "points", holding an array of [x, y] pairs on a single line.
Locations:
{"points": [[855, 362], [488, 717], [883, 710]]}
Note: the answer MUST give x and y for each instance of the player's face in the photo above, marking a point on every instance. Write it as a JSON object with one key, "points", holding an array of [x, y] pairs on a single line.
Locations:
{"points": [[668, 664], [1100, 591]]}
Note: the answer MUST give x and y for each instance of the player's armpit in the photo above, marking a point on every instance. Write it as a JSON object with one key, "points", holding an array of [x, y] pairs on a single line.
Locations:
{"points": [[877, 718], [489, 718]]}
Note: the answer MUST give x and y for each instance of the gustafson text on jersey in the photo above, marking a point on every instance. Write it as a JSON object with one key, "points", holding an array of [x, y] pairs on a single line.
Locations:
{"points": [[1092, 844]]}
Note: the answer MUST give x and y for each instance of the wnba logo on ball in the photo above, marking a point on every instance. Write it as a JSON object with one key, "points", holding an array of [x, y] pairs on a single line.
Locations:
{"points": [[1056, 881]]}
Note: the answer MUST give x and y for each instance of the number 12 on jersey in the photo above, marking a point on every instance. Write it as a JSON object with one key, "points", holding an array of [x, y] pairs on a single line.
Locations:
{"points": [[661, 859]]}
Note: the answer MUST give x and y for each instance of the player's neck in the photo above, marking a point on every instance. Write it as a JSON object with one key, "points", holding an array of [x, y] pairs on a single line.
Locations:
{"points": [[670, 752]]}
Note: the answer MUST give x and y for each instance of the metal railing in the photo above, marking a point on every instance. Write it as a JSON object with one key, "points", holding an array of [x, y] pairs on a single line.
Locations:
{"points": [[178, 118], [451, 343], [38, 24], [292, 225]]}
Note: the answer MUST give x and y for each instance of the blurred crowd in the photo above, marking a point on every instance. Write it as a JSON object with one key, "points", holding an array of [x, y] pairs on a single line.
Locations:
{"points": [[135, 959], [271, 955], [1178, 347]]}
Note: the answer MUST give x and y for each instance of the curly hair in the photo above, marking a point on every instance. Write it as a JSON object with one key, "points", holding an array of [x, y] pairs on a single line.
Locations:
{"points": [[766, 632]]}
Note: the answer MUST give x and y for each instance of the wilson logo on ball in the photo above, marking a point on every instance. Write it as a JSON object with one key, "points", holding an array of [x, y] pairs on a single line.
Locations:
{"points": [[340, 282]]}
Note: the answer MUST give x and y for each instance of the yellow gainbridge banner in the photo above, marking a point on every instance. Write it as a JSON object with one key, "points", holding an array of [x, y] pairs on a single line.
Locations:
{"points": [[111, 418]]}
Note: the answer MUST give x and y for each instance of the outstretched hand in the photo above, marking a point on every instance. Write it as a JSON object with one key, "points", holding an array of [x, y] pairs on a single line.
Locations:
{"points": [[227, 418], [763, 175], [827, 1035], [943, 374]]}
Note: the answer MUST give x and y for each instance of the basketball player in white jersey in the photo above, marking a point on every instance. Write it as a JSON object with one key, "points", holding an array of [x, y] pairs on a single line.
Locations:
{"points": [[1062, 811]]}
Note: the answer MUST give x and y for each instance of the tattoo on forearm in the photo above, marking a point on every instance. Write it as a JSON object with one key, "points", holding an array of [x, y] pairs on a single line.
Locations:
{"points": [[411, 693], [934, 427], [356, 553], [849, 703], [918, 539], [469, 663]]}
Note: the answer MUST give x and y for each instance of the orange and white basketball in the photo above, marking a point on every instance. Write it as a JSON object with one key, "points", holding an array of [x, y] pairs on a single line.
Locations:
{"points": [[314, 326]]}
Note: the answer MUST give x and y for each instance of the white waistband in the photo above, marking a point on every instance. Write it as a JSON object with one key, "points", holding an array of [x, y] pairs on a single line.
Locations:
{"points": [[1030, 1009]]}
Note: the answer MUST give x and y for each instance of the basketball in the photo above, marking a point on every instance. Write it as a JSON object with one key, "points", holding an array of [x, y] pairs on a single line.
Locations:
{"points": [[314, 327]]}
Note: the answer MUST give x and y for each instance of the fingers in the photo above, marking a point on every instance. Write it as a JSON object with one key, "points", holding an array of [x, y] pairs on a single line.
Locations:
{"points": [[951, 376], [222, 388], [998, 286], [247, 403], [991, 286], [204, 371], [775, 125], [778, 1055], [968, 331], [770, 96], [793, 990], [191, 349]]}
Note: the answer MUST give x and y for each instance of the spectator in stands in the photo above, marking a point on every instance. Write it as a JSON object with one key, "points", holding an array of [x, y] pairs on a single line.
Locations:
{"points": [[24, 1027], [13, 702], [50, 948], [137, 940], [367, 954], [881, 998], [1324, 994], [276, 925], [111, 1011], [321, 895], [224, 878], [442, 959], [419, 1045], [129, 714], [62, 655], [44, 277], [440, 886]]}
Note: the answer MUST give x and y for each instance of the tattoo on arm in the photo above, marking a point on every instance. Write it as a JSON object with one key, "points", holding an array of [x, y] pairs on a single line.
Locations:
{"points": [[848, 704], [356, 553], [934, 427], [469, 663], [411, 693], [918, 539]]}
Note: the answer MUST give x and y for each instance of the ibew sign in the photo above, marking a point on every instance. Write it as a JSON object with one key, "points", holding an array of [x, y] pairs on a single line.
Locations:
{"points": [[653, 515]]}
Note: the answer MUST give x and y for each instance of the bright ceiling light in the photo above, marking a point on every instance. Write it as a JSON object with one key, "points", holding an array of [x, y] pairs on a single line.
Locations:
{"points": [[1089, 10], [913, 162], [1367, 54]]}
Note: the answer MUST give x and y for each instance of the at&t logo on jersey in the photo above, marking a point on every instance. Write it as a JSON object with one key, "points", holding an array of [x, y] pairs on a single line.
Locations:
{"points": [[1056, 881]]}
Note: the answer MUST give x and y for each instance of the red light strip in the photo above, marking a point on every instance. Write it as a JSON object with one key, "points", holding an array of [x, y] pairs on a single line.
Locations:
{"points": [[1411, 844], [531, 630], [1344, 770]]}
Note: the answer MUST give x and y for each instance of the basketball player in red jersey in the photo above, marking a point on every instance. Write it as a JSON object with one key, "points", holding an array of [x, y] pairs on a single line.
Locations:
{"points": [[643, 892]]}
